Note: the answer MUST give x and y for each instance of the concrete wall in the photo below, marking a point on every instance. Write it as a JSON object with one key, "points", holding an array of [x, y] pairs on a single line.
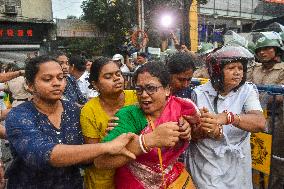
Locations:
{"points": [[40, 9], [27, 9], [76, 28]]}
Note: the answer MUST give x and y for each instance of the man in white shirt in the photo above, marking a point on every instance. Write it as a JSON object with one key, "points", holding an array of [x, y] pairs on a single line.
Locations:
{"points": [[77, 69], [118, 58]]}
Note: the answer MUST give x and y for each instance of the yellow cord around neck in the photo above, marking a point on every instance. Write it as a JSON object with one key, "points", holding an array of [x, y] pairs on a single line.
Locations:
{"points": [[159, 154]]}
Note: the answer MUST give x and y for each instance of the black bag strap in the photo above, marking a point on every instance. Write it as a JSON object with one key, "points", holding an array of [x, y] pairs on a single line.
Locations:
{"points": [[215, 103]]}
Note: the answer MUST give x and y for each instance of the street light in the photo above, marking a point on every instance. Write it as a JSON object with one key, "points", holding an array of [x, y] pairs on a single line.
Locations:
{"points": [[167, 21]]}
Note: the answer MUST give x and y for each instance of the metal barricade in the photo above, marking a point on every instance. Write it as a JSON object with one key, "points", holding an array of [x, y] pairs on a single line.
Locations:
{"points": [[267, 148], [128, 80]]}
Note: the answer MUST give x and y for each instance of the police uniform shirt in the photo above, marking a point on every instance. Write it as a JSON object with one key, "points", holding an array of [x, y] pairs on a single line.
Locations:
{"points": [[258, 75]]}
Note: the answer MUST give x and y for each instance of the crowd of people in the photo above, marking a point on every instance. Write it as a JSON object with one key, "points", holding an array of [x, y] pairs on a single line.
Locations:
{"points": [[72, 123]]}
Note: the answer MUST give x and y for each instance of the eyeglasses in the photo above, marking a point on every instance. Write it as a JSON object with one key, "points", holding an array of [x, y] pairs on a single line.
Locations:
{"points": [[150, 89]]}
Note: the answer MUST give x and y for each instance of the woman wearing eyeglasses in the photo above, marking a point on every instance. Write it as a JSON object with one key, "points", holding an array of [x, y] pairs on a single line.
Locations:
{"points": [[162, 134], [97, 114]]}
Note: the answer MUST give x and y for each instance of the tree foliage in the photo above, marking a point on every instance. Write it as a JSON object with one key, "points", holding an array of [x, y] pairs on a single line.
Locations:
{"points": [[114, 18], [119, 17], [90, 46]]}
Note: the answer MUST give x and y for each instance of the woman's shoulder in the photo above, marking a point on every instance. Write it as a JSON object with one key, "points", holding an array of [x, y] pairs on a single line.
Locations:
{"points": [[247, 87], [23, 112], [205, 88], [91, 105], [24, 108]]}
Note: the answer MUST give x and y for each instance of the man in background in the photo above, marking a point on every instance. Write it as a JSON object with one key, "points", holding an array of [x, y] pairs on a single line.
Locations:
{"points": [[77, 68]]}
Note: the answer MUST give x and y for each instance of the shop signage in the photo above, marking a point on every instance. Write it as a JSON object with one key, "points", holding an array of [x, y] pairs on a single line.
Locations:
{"points": [[21, 33]]}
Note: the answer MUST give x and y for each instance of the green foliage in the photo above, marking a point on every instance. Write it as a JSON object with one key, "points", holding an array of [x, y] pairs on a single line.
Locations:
{"points": [[90, 46], [116, 18]]}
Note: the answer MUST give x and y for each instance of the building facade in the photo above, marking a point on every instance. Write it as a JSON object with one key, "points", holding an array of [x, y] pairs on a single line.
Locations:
{"points": [[25, 28], [218, 16]]}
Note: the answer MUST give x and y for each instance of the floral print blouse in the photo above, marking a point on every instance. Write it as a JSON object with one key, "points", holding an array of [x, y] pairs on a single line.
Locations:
{"points": [[32, 138]]}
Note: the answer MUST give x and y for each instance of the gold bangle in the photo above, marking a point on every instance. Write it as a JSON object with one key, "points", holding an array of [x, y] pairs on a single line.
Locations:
{"points": [[144, 144]]}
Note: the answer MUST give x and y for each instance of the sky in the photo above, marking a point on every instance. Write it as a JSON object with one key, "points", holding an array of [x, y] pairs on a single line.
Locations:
{"points": [[63, 8]]}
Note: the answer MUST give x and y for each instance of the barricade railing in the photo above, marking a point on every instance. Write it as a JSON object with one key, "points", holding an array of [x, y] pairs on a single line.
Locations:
{"points": [[267, 147], [128, 80]]}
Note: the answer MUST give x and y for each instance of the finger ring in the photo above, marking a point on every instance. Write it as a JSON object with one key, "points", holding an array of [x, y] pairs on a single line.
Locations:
{"points": [[209, 131]]}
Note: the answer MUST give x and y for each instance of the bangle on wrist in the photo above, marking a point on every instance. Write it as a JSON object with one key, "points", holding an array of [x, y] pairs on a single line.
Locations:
{"points": [[145, 145], [230, 117], [141, 144]]}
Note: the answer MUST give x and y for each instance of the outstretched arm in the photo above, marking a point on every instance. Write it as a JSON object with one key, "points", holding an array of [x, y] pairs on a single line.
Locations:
{"points": [[4, 77], [165, 135], [66, 155]]}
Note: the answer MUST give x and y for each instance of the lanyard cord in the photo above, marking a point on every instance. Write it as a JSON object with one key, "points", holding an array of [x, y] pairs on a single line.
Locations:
{"points": [[159, 154]]}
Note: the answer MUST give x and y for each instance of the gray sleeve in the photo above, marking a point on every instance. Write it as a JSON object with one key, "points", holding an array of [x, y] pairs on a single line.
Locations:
{"points": [[252, 102]]}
